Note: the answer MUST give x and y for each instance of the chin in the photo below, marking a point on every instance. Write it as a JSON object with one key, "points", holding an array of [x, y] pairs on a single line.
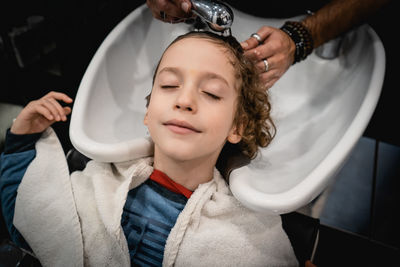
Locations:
{"points": [[182, 156], [183, 152]]}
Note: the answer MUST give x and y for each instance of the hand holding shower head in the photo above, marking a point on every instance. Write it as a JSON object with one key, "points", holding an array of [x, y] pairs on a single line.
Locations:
{"points": [[218, 15]]}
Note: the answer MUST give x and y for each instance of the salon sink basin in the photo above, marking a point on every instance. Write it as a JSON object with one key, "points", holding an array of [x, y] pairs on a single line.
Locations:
{"points": [[321, 108]]}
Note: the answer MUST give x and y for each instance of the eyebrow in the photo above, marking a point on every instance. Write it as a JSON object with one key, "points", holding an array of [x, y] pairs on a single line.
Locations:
{"points": [[207, 75]]}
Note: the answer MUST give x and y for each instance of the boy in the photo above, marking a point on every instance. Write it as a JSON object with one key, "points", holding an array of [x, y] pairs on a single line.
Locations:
{"points": [[171, 209]]}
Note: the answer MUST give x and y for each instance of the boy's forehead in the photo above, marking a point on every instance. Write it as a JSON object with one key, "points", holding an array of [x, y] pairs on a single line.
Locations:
{"points": [[196, 50], [200, 45]]}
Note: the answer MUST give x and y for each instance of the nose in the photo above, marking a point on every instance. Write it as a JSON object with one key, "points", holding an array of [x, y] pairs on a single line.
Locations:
{"points": [[186, 100]]}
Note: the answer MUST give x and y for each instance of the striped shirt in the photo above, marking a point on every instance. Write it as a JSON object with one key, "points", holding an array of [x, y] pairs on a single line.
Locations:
{"points": [[149, 214]]}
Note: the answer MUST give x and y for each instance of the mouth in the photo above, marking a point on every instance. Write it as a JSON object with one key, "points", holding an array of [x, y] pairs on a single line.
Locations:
{"points": [[181, 127]]}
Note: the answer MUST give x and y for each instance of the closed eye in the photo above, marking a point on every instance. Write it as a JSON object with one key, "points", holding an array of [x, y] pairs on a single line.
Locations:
{"points": [[212, 96], [169, 86]]}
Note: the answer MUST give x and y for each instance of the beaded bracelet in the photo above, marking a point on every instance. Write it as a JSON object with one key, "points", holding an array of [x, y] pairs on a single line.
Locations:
{"points": [[301, 38]]}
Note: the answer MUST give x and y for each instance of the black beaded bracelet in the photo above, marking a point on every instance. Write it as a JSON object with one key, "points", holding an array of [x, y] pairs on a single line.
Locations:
{"points": [[301, 38]]}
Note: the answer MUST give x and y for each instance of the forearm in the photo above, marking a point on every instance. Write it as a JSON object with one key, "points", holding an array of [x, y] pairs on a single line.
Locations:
{"points": [[339, 16]]}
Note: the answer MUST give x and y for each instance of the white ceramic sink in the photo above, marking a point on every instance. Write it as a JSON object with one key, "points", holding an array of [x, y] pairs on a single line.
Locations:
{"points": [[321, 108]]}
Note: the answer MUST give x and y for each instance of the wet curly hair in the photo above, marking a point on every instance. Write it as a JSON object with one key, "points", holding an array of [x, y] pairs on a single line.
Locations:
{"points": [[252, 115]]}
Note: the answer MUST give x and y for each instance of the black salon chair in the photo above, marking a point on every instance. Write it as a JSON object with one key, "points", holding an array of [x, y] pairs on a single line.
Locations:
{"points": [[303, 233]]}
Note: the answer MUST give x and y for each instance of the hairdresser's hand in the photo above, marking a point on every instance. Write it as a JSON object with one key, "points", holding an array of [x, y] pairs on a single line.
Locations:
{"points": [[276, 47], [39, 114], [172, 11]]}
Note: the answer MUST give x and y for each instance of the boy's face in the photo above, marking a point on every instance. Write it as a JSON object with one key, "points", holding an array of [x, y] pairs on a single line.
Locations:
{"points": [[193, 101]]}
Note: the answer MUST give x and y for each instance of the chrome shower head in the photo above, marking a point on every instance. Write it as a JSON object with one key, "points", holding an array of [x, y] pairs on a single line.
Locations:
{"points": [[217, 15]]}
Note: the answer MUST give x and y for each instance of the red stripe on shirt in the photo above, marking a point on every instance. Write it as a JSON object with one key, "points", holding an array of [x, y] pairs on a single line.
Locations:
{"points": [[161, 178]]}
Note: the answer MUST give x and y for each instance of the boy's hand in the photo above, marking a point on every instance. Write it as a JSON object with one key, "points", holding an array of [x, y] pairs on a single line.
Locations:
{"points": [[39, 114]]}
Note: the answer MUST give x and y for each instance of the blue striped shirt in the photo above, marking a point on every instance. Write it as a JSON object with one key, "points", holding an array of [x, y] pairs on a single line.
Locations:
{"points": [[149, 214]]}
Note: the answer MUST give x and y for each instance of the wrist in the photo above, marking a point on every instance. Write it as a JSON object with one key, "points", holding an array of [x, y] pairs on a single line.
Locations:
{"points": [[16, 128], [301, 38], [20, 128], [292, 50]]}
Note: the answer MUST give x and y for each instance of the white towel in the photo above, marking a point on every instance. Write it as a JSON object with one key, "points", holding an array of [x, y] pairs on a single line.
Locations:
{"points": [[51, 228], [75, 221]]}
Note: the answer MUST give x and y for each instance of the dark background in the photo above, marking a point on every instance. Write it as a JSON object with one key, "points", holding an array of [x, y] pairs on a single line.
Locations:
{"points": [[52, 54]]}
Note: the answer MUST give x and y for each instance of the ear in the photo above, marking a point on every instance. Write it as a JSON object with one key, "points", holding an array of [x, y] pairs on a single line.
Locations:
{"points": [[234, 136]]}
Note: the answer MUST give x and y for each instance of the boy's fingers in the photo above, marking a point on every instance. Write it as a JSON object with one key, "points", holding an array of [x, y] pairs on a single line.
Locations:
{"points": [[59, 108], [47, 103], [59, 96], [47, 110], [67, 111], [44, 112], [53, 98]]}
